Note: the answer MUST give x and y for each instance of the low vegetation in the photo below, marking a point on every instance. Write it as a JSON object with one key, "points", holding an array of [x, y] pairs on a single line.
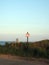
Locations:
{"points": [[38, 49]]}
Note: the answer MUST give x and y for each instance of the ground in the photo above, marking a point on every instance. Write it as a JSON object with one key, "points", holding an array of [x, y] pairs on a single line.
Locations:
{"points": [[15, 60]]}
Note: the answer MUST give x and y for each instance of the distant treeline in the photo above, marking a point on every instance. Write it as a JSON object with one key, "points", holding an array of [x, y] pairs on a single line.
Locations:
{"points": [[38, 49]]}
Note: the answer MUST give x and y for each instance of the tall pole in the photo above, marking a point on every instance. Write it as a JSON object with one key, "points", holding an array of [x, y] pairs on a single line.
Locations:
{"points": [[27, 40], [27, 35]]}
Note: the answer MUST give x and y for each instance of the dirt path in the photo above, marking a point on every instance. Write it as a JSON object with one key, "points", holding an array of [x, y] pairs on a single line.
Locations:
{"points": [[15, 60]]}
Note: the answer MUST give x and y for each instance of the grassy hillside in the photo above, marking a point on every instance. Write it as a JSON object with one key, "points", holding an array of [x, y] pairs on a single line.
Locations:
{"points": [[32, 49]]}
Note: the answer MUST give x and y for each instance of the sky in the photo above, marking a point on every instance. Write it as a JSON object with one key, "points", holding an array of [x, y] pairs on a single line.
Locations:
{"points": [[20, 16]]}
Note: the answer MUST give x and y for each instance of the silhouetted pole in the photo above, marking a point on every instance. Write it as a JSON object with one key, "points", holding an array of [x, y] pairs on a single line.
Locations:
{"points": [[27, 35], [27, 44], [27, 40]]}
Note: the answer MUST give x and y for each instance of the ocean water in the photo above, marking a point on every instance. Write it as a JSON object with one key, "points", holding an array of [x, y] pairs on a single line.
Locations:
{"points": [[2, 42]]}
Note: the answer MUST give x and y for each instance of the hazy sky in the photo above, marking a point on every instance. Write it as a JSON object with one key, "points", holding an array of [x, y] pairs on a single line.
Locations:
{"points": [[19, 16]]}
